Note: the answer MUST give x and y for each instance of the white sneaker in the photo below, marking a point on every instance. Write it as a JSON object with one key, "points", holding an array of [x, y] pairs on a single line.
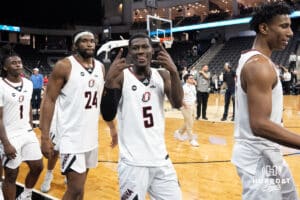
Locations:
{"points": [[23, 196], [180, 137], [46, 185], [194, 143]]}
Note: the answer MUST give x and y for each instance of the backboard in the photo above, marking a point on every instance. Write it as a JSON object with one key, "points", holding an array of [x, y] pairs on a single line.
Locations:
{"points": [[160, 30]]}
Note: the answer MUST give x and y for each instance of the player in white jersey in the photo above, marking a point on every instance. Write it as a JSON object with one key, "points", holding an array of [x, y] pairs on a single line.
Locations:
{"points": [[18, 141], [55, 139], [138, 91], [76, 84], [258, 131]]}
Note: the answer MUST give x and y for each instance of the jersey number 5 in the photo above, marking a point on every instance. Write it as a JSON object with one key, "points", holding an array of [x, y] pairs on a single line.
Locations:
{"points": [[91, 99], [148, 117]]}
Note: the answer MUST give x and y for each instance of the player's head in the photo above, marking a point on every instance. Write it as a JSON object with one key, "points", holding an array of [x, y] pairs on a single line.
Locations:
{"points": [[140, 49], [84, 43], [11, 63], [272, 21]]}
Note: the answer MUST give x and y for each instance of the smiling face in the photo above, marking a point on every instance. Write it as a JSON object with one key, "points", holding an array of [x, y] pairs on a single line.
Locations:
{"points": [[141, 51], [278, 32]]}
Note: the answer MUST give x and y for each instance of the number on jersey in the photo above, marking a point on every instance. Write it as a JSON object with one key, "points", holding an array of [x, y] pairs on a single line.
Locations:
{"points": [[148, 117], [91, 99]]}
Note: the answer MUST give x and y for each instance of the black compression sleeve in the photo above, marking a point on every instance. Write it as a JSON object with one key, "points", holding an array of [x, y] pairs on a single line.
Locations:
{"points": [[109, 103]]}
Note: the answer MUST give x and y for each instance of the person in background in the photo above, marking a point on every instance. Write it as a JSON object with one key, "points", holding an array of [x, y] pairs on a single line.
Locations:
{"points": [[45, 80], [229, 84], [203, 88], [188, 111], [286, 80], [38, 82]]}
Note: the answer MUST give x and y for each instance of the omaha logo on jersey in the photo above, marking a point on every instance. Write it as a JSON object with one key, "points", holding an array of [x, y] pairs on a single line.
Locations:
{"points": [[91, 83], [21, 98], [146, 96], [13, 94], [82, 73]]}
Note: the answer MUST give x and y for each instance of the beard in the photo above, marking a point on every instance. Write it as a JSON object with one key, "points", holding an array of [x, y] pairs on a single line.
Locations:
{"points": [[85, 54]]}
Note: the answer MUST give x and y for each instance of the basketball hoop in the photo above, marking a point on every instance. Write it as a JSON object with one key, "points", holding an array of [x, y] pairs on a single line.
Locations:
{"points": [[160, 30]]}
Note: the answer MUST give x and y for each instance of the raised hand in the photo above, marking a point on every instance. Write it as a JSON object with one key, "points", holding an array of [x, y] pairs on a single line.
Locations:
{"points": [[115, 69], [165, 60]]}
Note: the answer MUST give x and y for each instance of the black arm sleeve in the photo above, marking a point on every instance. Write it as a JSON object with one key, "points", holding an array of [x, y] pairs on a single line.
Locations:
{"points": [[109, 103]]}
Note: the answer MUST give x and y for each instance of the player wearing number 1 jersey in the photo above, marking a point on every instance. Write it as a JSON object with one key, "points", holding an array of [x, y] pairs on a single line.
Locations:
{"points": [[138, 91], [75, 87], [18, 141]]}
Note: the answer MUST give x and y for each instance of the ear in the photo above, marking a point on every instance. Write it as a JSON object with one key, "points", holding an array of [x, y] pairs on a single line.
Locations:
{"points": [[263, 28]]}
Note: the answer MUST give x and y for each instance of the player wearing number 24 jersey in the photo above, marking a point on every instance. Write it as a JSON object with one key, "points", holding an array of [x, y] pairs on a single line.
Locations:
{"points": [[75, 87]]}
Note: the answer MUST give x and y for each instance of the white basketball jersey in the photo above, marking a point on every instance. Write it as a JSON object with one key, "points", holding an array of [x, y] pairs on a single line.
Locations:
{"points": [[16, 107], [78, 108], [141, 121], [242, 130]]}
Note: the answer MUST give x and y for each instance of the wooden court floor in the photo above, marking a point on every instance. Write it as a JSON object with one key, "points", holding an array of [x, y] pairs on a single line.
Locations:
{"points": [[204, 172]]}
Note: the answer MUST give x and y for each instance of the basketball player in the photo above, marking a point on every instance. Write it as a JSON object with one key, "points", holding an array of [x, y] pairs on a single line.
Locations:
{"points": [[18, 141], [76, 83], [53, 133], [258, 131], [138, 91]]}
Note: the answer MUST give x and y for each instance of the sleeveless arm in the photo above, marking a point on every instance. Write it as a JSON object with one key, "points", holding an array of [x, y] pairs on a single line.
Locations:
{"points": [[258, 78]]}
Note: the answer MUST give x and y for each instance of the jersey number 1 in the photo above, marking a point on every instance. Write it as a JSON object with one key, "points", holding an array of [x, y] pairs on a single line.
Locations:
{"points": [[21, 111], [91, 100]]}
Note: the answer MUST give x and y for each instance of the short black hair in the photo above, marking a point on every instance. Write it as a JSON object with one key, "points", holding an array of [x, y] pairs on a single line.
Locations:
{"points": [[139, 35], [266, 12], [185, 77], [6, 52]]}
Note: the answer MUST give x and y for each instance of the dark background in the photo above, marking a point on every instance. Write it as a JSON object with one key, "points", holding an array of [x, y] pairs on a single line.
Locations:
{"points": [[51, 13]]}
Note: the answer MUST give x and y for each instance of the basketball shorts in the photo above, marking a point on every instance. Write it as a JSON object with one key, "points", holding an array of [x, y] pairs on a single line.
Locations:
{"points": [[78, 162], [271, 181], [27, 147], [160, 182]]}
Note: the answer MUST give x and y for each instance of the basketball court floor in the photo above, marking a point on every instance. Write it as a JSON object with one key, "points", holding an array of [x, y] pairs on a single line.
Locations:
{"points": [[205, 172]]}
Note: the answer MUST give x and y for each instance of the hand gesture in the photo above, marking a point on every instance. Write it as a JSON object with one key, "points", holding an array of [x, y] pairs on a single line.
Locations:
{"points": [[10, 151], [165, 60], [47, 148], [116, 68]]}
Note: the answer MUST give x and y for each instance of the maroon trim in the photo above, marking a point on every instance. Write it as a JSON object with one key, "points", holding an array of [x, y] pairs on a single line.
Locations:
{"points": [[93, 64], [21, 86], [132, 72]]}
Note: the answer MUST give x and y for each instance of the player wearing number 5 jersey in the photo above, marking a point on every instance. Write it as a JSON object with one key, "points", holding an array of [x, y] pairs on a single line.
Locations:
{"points": [[18, 141], [137, 92], [75, 87]]}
